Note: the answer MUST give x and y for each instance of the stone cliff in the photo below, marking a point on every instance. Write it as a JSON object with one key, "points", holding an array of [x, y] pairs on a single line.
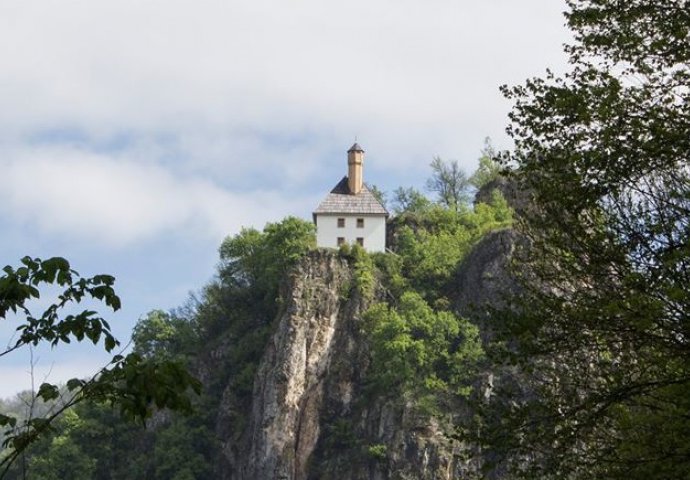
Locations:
{"points": [[311, 415]]}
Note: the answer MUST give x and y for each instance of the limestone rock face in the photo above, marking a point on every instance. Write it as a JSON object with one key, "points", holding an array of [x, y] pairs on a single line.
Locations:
{"points": [[484, 280], [485, 283], [290, 385], [311, 417], [517, 196]]}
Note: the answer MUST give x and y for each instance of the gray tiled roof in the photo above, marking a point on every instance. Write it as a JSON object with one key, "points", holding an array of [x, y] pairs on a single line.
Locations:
{"points": [[340, 200], [355, 148]]}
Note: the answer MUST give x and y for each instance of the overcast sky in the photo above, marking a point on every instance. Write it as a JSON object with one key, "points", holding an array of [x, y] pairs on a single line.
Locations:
{"points": [[136, 135]]}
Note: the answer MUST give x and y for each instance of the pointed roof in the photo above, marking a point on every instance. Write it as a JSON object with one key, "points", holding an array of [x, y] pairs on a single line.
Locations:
{"points": [[340, 200], [355, 148]]}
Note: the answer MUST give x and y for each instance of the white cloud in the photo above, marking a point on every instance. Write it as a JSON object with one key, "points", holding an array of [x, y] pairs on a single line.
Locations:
{"points": [[123, 121], [413, 77], [17, 377], [184, 111], [119, 200]]}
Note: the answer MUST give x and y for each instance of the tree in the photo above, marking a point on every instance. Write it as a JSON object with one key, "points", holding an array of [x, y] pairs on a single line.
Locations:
{"points": [[161, 334], [449, 182], [605, 318], [379, 194], [409, 200], [64, 458], [420, 351], [489, 168], [260, 259], [130, 382], [432, 246]]}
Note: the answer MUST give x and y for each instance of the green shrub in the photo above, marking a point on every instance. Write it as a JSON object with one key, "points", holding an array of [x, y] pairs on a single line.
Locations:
{"points": [[415, 348], [378, 451], [433, 246], [365, 278]]}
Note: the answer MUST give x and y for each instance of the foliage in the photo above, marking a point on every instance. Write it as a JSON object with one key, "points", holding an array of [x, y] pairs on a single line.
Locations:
{"points": [[162, 334], [130, 382], [415, 349], [364, 276], [20, 286], [377, 451], [182, 452], [420, 350], [92, 441], [489, 168], [432, 248], [260, 259], [409, 200], [64, 458], [604, 150], [340, 435], [389, 268], [449, 183]]}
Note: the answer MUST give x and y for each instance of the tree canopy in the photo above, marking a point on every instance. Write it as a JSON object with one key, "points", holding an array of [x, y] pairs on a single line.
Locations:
{"points": [[256, 261], [135, 385], [421, 352], [449, 182], [489, 167], [605, 321]]}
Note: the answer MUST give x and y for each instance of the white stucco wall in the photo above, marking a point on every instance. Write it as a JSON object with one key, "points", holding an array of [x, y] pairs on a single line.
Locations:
{"points": [[374, 231]]}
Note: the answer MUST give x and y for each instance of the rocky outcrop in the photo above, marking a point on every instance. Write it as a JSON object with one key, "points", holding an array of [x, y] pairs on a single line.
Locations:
{"points": [[290, 386], [517, 196], [312, 414], [312, 417], [484, 281], [484, 289]]}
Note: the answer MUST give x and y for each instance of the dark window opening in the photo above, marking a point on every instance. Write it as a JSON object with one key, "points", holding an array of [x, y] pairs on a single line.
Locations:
{"points": [[341, 223], [360, 223], [341, 240], [360, 241]]}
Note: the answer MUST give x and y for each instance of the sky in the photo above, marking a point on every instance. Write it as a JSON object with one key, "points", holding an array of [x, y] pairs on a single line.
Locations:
{"points": [[136, 134]]}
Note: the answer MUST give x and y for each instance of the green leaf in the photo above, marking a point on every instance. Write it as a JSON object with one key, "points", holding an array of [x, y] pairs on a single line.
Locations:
{"points": [[74, 383], [6, 420], [48, 392]]}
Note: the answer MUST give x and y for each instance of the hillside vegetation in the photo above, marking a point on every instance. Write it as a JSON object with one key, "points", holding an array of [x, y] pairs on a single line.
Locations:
{"points": [[341, 364], [420, 350]]}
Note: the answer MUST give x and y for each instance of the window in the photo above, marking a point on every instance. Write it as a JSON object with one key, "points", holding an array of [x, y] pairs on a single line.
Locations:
{"points": [[341, 240], [360, 241], [341, 223], [360, 223]]}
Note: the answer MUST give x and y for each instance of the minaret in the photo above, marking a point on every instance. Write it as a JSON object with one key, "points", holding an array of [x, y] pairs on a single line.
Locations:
{"points": [[355, 159]]}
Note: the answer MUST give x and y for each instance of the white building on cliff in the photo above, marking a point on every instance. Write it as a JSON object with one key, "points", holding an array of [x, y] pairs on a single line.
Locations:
{"points": [[351, 213]]}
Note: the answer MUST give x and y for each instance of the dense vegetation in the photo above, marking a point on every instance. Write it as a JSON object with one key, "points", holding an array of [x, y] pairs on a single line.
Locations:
{"points": [[605, 323], [133, 384], [421, 350], [419, 347], [599, 340]]}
